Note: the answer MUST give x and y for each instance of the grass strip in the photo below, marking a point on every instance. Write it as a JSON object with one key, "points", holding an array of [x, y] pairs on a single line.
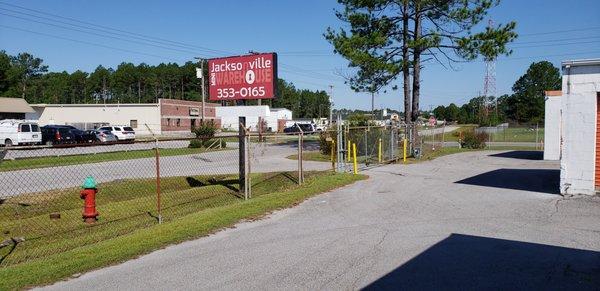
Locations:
{"points": [[119, 249], [66, 160], [312, 156]]}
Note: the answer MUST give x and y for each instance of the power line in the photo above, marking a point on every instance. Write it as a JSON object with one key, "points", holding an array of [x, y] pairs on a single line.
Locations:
{"points": [[103, 35], [165, 41], [86, 42]]}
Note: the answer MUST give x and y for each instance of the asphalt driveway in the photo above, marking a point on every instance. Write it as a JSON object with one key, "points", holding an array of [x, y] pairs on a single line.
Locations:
{"points": [[479, 220]]}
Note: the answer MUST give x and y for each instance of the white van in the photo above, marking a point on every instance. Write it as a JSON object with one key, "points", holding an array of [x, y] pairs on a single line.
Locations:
{"points": [[19, 132]]}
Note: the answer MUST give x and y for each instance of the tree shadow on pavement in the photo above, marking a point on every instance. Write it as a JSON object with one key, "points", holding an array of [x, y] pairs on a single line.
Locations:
{"points": [[536, 180], [523, 155], [465, 262]]}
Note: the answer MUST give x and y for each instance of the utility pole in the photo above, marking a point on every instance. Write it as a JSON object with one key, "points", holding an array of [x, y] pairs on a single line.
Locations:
{"points": [[331, 105], [200, 75]]}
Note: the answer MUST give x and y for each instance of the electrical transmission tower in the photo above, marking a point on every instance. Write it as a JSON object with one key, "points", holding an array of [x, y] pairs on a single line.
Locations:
{"points": [[489, 82]]}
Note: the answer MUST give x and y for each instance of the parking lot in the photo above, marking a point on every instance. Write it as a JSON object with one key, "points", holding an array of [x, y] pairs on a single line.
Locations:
{"points": [[444, 224]]}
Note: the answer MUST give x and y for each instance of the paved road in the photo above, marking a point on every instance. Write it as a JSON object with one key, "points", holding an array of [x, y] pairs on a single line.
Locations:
{"points": [[438, 130], [82, 150], [266, 158], [440, 225]]}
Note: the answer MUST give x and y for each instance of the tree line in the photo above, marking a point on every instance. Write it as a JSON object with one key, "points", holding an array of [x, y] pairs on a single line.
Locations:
{"points": [[26, 76], [525, 105]]}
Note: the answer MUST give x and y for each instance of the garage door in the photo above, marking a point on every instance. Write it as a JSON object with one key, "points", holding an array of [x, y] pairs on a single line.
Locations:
{"points": [[597, 176]]}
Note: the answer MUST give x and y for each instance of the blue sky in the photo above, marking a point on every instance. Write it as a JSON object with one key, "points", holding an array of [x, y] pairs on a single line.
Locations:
{"points": [[549, 30]]}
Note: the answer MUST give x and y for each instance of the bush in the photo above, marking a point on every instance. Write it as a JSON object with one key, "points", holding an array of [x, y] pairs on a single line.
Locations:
{"points": [[195, 144], [204, 143], [206, 130], [473, 140], [324, 144]]}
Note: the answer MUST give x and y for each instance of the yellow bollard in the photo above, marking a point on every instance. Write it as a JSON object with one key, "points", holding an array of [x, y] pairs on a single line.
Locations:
{"points": [[355, 163], [404, 149], [379, 155], [333, 150], [349, 152]]}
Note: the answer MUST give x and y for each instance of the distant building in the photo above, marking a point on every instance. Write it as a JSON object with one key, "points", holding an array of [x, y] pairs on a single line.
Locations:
{"points": [[552, 125], [167, 116], [273, 118], [14, 108]]}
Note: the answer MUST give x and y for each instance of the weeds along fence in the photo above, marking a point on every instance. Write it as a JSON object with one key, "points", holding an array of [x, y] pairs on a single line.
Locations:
{"points": [[140, 184]]}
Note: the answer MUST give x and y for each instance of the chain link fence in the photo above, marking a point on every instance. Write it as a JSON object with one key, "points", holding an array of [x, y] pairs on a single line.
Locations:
{"points": [[139, 183]]}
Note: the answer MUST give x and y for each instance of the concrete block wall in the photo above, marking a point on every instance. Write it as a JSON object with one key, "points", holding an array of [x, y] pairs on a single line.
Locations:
{"points": [[552, 128], [581, 84], [578, 152]]}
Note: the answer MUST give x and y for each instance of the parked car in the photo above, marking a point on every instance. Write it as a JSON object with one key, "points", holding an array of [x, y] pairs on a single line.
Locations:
{"points": [[58, 134], [307, 128], [81, 136], [102, 135], [120, 132], [19, 132]]}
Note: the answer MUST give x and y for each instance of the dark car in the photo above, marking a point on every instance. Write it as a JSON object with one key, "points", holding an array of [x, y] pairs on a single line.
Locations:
{"points": [[306, 128], [81, 136], [58, 134]]}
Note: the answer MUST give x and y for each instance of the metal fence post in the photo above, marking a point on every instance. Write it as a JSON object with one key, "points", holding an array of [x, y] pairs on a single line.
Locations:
{"points": [[300, 172], [157, 165], [242, 155]]}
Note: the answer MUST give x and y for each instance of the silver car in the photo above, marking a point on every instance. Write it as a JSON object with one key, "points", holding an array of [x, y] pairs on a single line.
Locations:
{"points": [[104, 135]]}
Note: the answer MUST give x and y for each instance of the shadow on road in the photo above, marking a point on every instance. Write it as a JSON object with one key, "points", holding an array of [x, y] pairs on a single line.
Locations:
{"points": [[536, 180], [523, 155], [465, 262]]}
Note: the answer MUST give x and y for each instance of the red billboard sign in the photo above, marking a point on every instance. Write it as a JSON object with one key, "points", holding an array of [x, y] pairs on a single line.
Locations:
{"points": [[243, 77]]}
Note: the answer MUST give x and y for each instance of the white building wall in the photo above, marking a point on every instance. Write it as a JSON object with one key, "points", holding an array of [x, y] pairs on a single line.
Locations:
{"points": [[230, 116], [552, 128], [112, 114], [580, 87]]}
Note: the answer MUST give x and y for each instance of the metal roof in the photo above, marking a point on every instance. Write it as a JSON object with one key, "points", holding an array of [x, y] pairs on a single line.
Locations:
{"points": [[584, 62], [14, 105]]}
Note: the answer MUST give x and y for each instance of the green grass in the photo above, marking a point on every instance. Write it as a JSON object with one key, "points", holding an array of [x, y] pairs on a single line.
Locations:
{"points": [[127, 237], [511, 134], [55, 161], [520, 134], [312, 156]]}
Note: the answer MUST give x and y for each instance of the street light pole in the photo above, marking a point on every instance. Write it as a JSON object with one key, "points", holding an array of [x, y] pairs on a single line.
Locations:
{"points": [[200, 75], [331, 105]]}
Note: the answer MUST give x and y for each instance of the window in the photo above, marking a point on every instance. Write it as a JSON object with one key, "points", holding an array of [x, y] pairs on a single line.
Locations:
{"points": [[35, 128], [106, 128], [133, 123], [178, 122], [25, 128], [117, 128], [168, 121], [127, 128]]}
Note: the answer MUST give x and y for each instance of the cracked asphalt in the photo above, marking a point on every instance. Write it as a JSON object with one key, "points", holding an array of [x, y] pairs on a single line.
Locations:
{"points": [[478, 220]]}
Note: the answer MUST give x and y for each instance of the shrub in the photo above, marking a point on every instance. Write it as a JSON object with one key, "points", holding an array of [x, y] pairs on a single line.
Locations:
{"points": [[195, 143], [473, 140], [206, 130], [324, 144], [204, 143]]}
